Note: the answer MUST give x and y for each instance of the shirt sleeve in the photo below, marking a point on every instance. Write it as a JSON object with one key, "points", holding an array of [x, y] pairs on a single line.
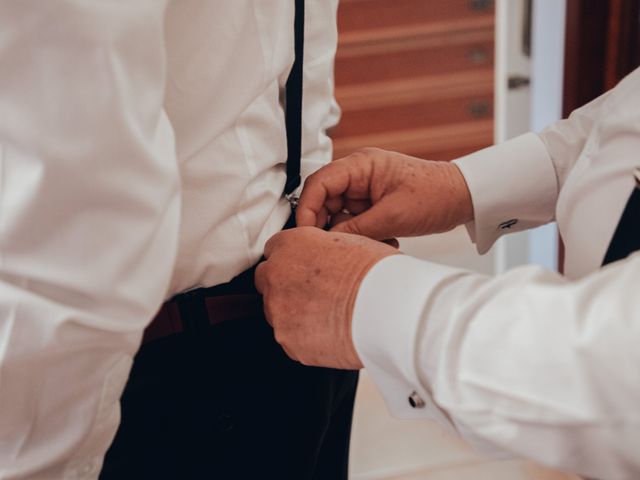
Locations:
{"points": [[88, 223], [321, 111], [527, 362], [514, 186]]}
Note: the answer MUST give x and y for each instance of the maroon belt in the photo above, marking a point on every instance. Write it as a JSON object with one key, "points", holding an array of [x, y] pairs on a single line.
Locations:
{"points": [[168, 321], [230, 301]]}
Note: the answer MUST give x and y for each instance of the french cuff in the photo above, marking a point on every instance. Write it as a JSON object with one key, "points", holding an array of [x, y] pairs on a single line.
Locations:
{"points": [[387, 322], [513, 187]]}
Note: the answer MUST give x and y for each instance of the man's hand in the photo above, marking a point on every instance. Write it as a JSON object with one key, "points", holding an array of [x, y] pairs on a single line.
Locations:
{"points": [[309, 282], [381, 195]]}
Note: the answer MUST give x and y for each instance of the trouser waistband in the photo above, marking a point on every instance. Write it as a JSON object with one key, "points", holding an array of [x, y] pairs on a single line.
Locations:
{"points": [[233, 300]]}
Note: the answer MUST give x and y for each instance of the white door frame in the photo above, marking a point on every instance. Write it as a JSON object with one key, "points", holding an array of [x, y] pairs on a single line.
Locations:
{"points": [[544, 105]]}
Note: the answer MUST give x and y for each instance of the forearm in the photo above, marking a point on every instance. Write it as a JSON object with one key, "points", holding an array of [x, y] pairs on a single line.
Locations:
{"points": [[521, 362]]}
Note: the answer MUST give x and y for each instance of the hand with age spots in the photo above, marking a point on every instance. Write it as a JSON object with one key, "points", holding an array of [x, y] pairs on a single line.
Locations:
{"points": [[309, 282], [381, 195], [311, 277]]}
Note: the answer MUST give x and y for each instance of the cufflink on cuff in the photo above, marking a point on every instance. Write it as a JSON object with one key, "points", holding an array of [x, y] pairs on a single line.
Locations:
{"points": [[416, 401], [508, 224]]}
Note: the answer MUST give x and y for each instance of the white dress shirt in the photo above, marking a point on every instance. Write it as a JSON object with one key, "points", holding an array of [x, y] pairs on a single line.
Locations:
{"points": [[227, 63], [529, 362], [131, 132]]}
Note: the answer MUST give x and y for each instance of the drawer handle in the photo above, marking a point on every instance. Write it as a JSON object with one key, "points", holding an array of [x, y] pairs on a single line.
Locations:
{"points": [[480, 5], [478, 55], [480, 109]]}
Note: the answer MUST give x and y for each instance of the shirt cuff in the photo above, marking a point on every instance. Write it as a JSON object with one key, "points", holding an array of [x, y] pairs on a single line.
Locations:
{"points": [[386, 325], [513, 187]]}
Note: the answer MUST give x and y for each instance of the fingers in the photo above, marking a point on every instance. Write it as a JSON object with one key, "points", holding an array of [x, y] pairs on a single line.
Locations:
{"points": [[331, 207], [380, 222], [260, 277], [329, 182], [326, 188], [274, 242]]}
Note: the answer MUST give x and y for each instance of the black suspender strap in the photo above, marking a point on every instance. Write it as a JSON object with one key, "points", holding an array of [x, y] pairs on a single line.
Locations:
{"points": [[626, 238], [293, 105]]}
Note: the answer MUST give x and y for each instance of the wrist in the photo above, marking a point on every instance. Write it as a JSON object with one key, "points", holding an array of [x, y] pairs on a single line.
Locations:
{"points": [[447, 197], [354, 361], [464, 203]]}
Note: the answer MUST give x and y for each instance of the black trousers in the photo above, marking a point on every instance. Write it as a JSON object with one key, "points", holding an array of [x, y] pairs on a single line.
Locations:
{"points": [[225, 402]]}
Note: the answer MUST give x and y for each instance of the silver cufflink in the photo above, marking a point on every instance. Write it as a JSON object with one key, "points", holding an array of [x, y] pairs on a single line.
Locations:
{"points": [[293, 199], [416, 401]]}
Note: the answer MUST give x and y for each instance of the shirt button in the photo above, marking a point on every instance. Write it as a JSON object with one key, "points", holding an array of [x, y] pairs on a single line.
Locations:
{"points": [[416, 401], [508, 224]]}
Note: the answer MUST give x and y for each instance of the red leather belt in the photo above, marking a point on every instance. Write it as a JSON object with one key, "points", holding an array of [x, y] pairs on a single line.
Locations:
{"points": [[220, 309], [230, 301]]}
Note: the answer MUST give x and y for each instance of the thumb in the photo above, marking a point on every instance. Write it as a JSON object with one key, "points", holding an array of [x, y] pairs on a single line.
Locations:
{"points": [[380, 222]]}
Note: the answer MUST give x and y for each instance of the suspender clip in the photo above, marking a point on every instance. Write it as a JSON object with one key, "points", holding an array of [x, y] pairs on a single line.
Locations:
{"points": [[293, 199]]}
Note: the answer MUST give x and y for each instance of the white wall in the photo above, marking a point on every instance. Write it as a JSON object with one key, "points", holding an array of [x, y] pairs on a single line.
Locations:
{"points": [[547, 71]]}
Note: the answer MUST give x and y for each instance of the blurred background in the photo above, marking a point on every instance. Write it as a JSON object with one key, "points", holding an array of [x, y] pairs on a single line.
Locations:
{"points": [[438, 79]]}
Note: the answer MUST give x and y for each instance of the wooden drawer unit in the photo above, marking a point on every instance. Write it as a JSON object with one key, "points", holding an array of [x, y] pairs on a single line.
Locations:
{"points": [[358, 15], [415, 76], [443, 142], [422, 56], [407, 112]]}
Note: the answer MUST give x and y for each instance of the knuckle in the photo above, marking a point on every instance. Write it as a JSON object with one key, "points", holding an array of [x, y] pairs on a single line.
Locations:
{"points": [[306, 230], [304, 361], [360, 155], [275, 238], [279, 336], [267, 315], [369, 151], [278, 241], [313, 178], [260, 274]]}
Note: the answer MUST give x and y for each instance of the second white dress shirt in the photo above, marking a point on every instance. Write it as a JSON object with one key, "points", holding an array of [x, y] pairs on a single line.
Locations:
{"points": [[529, 362]]}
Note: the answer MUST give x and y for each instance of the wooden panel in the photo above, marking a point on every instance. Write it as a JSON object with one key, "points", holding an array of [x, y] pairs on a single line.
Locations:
{"points": [[414, 114], [421, 60], [465, 137], [415, 89], [371, 14]]}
